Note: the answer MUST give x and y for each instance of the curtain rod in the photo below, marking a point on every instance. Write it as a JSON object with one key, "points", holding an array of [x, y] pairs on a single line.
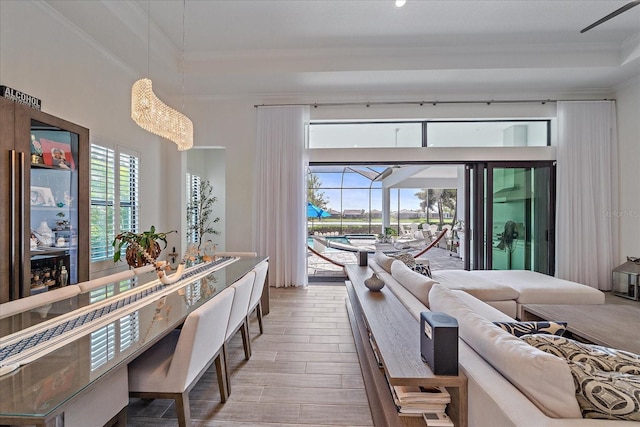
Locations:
{"points": [[435, 102]]}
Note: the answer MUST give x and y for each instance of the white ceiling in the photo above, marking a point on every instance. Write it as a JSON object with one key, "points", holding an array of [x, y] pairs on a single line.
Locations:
{"points": [[335, 49]]}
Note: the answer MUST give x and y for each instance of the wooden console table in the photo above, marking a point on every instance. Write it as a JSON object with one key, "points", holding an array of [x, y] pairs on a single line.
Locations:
{"points": [[381, 316]]}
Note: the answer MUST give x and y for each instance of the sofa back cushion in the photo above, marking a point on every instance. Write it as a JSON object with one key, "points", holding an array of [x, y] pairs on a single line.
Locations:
{"points": [[416, 283], [479, 287], [383, 261], [545, 379]]}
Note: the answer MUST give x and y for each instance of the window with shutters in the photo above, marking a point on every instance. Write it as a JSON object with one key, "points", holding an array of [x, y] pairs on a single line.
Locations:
{"points": [[193, 196], [114, 197]]}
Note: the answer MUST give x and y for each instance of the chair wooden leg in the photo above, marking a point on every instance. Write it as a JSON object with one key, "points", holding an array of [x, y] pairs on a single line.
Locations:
{"points": [[259, 316], [225, 356], [246, 342], [183, 409], [221, 372]]}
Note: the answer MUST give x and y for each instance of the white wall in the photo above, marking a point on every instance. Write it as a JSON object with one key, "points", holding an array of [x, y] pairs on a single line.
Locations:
{"points": [[628, 108], [231, 124]]}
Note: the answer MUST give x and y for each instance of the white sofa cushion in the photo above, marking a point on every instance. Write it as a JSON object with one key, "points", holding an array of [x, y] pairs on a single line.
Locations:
{"points": [[538, 288], [545, 379], [482, 308], [416, 283], [383, 261], [479, 287]]}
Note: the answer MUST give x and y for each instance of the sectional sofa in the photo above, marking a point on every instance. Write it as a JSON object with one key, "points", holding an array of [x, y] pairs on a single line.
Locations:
{"points": [[511, 383]]}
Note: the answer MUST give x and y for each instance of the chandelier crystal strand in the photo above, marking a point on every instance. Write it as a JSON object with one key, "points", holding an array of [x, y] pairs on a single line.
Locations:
{"points": [[154, 116]]}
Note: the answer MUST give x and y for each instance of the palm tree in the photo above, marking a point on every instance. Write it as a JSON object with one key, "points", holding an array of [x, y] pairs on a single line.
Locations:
{"points": [[450, 200], [427, 201], [440, 198], [314, 195]]}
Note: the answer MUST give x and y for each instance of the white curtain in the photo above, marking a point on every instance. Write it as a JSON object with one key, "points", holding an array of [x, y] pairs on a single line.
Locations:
{"points": [[587, 182], [280, 193]]}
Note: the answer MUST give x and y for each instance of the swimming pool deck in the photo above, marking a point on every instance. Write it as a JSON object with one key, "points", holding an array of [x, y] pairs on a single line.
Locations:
{"points": [[319, 269]]}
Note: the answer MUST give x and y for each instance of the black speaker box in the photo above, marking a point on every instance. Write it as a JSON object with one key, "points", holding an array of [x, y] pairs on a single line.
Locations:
{"points": [[439, 342]]}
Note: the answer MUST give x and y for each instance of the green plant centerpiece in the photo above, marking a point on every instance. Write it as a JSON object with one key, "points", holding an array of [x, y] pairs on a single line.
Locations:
{"points": [[147, 241]]}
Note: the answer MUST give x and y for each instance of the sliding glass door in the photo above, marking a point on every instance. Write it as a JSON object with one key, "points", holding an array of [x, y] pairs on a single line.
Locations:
{"points": [[512, 216]]}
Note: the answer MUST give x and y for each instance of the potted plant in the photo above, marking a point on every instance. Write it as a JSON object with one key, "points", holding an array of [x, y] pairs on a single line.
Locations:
{"points": [[389, 234], [147, 241], [199, 215]]}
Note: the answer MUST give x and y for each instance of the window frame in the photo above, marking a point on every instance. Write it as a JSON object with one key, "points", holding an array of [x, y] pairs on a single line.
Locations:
{"points": [[116, 203], [425, 123]]}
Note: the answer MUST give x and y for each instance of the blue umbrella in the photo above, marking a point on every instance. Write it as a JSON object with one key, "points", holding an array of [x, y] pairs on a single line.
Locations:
{"points": [[314, 211]]}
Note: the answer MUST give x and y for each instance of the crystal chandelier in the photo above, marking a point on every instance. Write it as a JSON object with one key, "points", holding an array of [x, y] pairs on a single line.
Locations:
{"points": [[153, 115]]}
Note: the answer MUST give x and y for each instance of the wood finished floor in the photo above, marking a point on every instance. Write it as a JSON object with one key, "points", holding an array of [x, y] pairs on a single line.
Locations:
{"points": [[304, 371]]}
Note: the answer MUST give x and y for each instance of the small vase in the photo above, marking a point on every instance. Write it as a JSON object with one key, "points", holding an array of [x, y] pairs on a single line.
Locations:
{"points": [[374, 283], [46, 234]]}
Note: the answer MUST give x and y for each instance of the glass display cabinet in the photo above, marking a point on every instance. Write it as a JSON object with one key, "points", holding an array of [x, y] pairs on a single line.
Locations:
{"points": [[45, 212]]}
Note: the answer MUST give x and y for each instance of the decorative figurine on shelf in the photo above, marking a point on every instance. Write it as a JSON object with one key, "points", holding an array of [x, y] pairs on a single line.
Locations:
{"points": [[44, 234], [36, 151], [67, 198]]}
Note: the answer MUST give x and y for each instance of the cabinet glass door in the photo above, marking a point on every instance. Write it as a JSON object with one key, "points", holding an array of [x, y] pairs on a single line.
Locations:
{"points": [[53, 201]]}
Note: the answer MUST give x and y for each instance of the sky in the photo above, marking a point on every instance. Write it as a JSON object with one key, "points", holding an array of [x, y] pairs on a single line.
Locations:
{"points": [[355, 193]]}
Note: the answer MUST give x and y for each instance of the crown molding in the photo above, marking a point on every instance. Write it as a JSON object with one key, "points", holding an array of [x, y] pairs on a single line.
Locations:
{"points": [[65, 22]]}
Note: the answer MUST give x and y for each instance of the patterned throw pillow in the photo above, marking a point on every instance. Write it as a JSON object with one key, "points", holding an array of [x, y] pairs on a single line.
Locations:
{"points": [[519, 329], [408, 259], [597, 356], [425, 270], [606, 395], [411, 262], [607, 381]]}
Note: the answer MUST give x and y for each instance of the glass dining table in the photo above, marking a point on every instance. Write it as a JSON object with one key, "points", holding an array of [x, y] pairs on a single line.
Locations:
{"points": [[61, 349]]}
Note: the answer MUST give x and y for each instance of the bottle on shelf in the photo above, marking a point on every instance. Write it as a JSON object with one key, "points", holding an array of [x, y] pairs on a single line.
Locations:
{"points": [[64, 276]]}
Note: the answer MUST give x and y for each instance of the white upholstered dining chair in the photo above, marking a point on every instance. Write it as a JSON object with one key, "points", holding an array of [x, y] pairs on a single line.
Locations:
{"points": [[255, 302], [238, 318], [171, 367]]}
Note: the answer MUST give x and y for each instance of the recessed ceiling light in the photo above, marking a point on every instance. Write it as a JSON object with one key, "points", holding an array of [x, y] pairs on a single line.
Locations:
{"points": [[400, 3]]}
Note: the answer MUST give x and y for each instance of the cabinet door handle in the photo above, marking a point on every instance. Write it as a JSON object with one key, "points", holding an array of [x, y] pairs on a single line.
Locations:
{"points": [[13, 238], [22, 239], [16, 224]]}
